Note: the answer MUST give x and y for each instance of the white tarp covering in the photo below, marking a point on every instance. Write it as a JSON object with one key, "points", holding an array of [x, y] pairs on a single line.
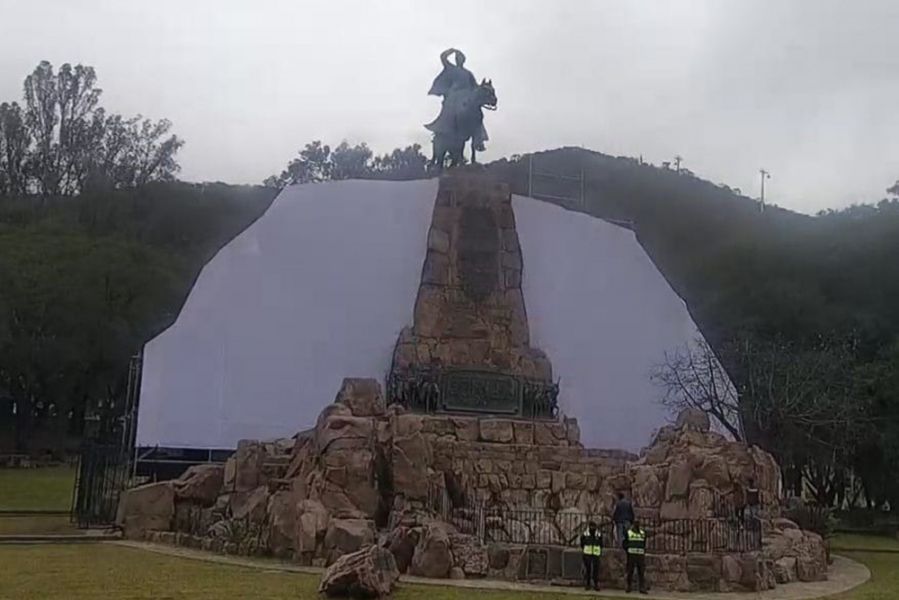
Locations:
{"points": [[320, 286]]}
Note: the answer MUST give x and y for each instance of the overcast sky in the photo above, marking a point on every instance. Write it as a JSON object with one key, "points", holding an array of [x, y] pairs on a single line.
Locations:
{"points": [[807, 89]]}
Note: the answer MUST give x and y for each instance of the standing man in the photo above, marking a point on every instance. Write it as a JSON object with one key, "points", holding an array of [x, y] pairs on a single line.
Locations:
{"points": [[754, 504], [622, 516], [591, 546], [753, 500], [739, 501], [635, 546]]}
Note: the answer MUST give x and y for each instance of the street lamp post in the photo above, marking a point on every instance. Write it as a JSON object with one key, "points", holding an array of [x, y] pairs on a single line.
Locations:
{"points": [[764, 175]]}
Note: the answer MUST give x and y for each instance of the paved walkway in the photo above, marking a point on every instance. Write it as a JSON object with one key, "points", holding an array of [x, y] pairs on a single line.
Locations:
{"points": [[79, 536], [844, 575]]}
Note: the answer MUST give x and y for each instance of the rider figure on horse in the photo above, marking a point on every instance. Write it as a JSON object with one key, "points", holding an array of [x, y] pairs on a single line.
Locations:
{"points": [[458, 87]]}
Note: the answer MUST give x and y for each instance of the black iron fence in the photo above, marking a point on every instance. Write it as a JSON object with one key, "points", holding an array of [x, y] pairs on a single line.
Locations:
{"points": [[103, 472], [497, 523], [676, 536], [106, 456]]}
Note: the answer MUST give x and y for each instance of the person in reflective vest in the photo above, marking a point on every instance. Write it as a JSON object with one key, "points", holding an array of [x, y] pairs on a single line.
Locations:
{"points": [[591, 546], [635, 546]]}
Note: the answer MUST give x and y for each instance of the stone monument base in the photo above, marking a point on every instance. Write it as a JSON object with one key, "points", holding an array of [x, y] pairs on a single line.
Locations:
{"points": [[459, 496]]}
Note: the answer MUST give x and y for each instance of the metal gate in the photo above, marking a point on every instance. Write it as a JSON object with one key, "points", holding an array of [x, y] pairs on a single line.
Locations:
{"points": [[106, 458], [103, 472]]}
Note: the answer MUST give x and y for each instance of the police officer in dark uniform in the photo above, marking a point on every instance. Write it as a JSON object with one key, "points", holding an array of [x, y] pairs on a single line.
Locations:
{"points": [[635, 546], [591, 546]]}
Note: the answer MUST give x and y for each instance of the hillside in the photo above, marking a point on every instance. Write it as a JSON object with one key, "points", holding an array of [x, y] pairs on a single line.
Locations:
{"points": [[86, 280], [771, 271]]}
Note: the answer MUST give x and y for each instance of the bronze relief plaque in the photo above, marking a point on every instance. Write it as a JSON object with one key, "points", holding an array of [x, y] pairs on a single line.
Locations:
{"points": [[480, 392]]}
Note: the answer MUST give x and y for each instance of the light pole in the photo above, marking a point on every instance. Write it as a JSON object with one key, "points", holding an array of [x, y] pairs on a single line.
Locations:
{"points": [[677, 161], [764, 175]]}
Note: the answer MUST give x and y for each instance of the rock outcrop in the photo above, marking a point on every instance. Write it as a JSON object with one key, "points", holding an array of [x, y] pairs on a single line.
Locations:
{"points": [[373, 475], [795, 554]]}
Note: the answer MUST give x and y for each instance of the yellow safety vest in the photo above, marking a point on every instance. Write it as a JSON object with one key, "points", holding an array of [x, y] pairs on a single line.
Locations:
{"points": [[636, 542], [592, 549]]}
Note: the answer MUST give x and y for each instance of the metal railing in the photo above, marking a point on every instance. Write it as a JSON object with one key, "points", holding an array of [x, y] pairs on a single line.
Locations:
{"points": [[676, 536], [103, 472], [725, 532]]}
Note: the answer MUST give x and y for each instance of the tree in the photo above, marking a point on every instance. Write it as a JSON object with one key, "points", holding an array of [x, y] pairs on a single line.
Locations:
{"points": [[801, 403], [63, 141], [405, 163], [877, 459], [317, 162], [133, 152], [59, 107], [692, 377], [13, 150], [312, 166], [85, 281], [350, 162]]}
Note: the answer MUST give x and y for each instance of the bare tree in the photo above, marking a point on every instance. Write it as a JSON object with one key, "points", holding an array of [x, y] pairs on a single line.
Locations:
{"points": [[692, 377]]}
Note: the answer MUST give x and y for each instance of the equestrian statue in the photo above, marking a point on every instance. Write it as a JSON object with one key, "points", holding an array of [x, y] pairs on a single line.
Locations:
{"points": [[461, 115]]}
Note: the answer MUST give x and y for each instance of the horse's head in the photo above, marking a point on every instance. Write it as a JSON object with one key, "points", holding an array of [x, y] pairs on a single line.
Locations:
{"points": [[487, 95]]}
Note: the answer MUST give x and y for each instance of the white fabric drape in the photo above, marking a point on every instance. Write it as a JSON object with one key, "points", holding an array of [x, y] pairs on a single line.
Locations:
{"points": [[320, 286]]}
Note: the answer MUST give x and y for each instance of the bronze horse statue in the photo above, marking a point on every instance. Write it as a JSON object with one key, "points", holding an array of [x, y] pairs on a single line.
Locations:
{"points": [[467, 123]]}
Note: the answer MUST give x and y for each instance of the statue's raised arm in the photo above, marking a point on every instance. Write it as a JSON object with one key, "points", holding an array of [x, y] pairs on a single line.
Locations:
{"points": [[444, 57]]}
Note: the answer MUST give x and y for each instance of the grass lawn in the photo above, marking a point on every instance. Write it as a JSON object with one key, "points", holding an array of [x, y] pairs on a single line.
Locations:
{"points": [[47, 488], [90, 571], [36, 524], [884, 582], [854, 541]]}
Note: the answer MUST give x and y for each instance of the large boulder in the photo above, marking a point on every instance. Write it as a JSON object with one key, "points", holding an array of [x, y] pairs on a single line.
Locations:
{"points": [[701, 500], [347, 485], [343, 431], [281, 523], [367, 573], [714, 470], [146, 508], [347, 535], [250, 505], [402, 542], [433, 557], [312, 522], [362, 396], [243, 470], [693, 418], [678, 481], [785, 570], [410, 456], [811, 557], [200, 483], [647, 490]]}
